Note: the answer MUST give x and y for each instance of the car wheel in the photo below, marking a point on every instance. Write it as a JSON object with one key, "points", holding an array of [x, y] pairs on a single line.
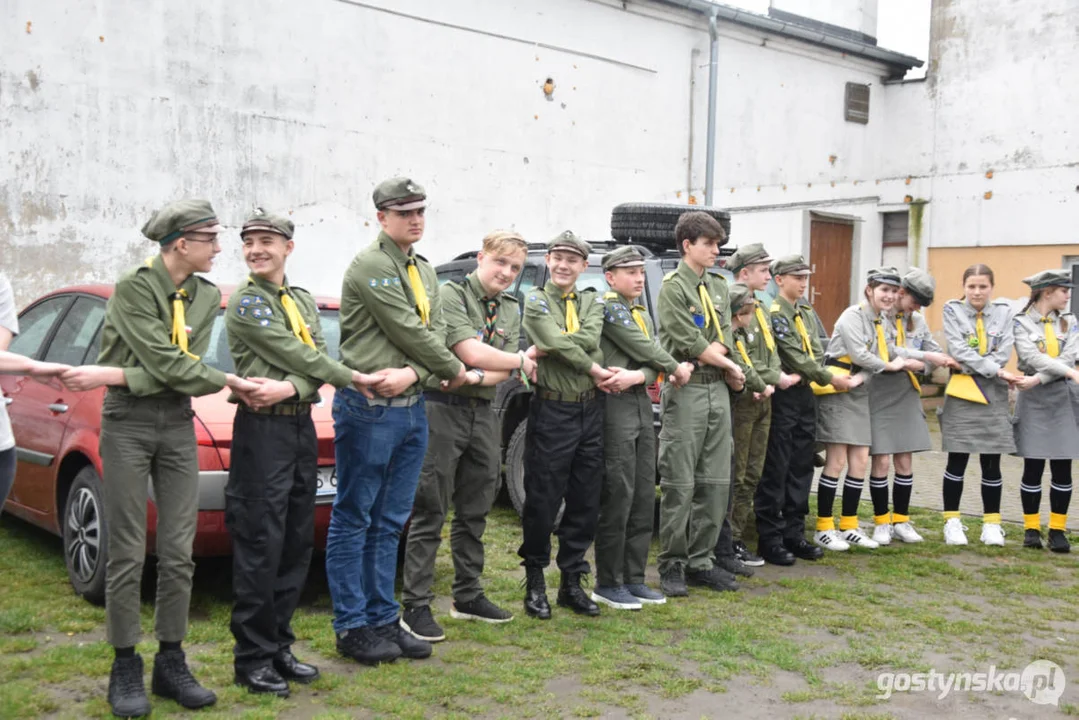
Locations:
{"points": [[515, 471], [84, 533], [652, 224]]}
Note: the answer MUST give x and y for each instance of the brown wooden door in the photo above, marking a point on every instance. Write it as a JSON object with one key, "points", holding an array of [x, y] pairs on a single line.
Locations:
{"points": [[830, 258]]}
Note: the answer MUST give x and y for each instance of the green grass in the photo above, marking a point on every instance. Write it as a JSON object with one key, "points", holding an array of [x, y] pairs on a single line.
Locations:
{"points": [[812, 639]]}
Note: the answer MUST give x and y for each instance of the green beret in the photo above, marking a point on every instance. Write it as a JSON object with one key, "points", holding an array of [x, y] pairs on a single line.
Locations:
{"points": [[884, 275], [740, 296], [399, 193], [1049, 278], [182, 216], [625, 256], [920, 285], [747, 255], [571, 243], [262, 220], [790, 265]]}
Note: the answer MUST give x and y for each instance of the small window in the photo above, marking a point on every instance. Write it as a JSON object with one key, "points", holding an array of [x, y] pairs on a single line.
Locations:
{"points": [[894, 240], [856, 104], [80, 326], [35, 324]]}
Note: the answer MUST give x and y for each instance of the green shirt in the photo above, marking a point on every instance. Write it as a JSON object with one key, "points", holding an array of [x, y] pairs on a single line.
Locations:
{"points": [[464, 309], [792, 355], [137, 333], [569, 356], [380, 325], [624, 345], [766, 364], [263, 343]]}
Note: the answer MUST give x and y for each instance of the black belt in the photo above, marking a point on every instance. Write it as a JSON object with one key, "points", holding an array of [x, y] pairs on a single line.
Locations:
{"points": [[834, 362], [704, 378], [279, 409], [566, 397], [449, 399]]}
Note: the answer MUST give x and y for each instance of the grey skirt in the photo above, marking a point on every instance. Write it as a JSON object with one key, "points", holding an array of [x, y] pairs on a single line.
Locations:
{"points": [[844, 418], [1047, 421], [898, 420], [968, 427]]}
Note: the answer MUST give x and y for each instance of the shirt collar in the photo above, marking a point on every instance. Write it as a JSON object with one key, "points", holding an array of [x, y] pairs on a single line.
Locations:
{"points": [[390, 248], [164, 280], [689, 275], [551, 289], [476, 287], [263, 284]]}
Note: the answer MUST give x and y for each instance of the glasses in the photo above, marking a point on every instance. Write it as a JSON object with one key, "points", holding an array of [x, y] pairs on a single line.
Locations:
{"points": [[215, 239]]}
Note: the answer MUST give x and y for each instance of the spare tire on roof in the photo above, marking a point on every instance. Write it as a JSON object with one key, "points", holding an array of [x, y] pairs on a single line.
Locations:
{"points": [[652, 224]]}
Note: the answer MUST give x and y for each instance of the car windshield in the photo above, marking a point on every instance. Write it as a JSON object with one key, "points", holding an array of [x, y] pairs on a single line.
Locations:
{"points": [[592, 277], [218, 355]]}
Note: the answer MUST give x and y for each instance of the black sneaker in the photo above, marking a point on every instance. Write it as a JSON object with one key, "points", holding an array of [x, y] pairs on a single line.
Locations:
{"points": [[421, 624], [127, 693], [673, 582], [746, 556], [411, 647], [733, 565], [364, 646], [1058, 543], [173, 679], [480, 608], [1032, 539], [713, 578]]}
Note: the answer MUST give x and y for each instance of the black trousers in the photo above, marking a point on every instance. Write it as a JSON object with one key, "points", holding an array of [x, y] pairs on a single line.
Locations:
{"points": [[563, 461], [270, 514], [782, 497]]}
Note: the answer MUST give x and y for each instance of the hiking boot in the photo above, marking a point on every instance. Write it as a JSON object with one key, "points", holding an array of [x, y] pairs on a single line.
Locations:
{"points": [[418, 621], [830, 540], [857, 538], [733, 565], [1032, 539], [536, 604], [993, 534], [1058, 542], [906, 532], [571, 595], [673, 582], [364, 646], [411, 647], [480, 608], [646, 595], [744, 554], [173, 679], [127, 693], [954, 532], [617, 597], [713, 578], [882, 534]]}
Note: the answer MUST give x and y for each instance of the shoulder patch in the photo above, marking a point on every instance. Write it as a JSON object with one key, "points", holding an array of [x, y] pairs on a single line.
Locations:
{"points": [[610, 296], [775, 307], [669, 275]]}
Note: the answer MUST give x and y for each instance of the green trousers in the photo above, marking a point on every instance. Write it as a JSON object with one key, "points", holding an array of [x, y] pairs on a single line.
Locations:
{"points": [[694, 470], [148, 439], [628, 498], [752, 421]]}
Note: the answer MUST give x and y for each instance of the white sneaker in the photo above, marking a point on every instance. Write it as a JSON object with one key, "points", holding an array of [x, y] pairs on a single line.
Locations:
{"points": [[857, 538], [882, 534], [906, 532], [993, 534], [830, 540], [953, 532]]}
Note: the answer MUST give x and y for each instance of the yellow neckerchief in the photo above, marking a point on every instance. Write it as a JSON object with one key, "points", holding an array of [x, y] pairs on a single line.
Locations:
{"points": [[979, 328], [742, 351], [572, 323], [423, 304], [800, 325], [882, 342], [901, 341], [709, 309], [178, 337], [634, 310], [295, 320], [1052, 345], [768, 339]]}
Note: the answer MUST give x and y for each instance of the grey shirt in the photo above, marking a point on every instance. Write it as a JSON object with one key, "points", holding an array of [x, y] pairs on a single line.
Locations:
{"points": [[855, 335], [960, 330], [10, 320], [1029, 331], [919, 340]]}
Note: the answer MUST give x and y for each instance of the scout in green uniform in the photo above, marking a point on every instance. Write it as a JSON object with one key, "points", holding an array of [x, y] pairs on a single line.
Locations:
{"points": [[463, 462], [627, 505], [391, 325], [782, 497], [157, 324], [695, 439], [564, 439], [274, 333]]}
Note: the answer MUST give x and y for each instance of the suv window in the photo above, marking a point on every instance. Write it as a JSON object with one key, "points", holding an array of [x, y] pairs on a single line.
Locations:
{"points": [[34, 326], [529, 278], [77, 332], [451, 275], [219, 356]]}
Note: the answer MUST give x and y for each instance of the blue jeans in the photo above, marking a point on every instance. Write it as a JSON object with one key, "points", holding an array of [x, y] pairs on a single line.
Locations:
{"points": [[379, 453]]}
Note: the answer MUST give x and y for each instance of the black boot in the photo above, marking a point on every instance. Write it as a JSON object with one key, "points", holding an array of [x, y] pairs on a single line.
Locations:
{"points": [[536, 603], [127, 693], [572, 596], [1058, 543], [172, 679], [1032, 539]]}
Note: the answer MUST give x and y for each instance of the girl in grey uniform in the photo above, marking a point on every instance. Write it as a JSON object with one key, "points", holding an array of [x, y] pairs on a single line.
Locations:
{"points": [[1047, 410], [858, 345], [975, 417], [895, 403]]}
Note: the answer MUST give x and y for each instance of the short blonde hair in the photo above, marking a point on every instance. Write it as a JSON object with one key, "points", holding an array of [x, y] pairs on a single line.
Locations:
{"points": [[504, 242]]}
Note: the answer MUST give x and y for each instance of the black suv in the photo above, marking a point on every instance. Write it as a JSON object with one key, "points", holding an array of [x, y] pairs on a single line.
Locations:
{"points": [[511, 402]]}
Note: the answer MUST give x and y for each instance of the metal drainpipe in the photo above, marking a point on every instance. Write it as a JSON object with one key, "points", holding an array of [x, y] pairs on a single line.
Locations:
{"points": [[713, 80]]}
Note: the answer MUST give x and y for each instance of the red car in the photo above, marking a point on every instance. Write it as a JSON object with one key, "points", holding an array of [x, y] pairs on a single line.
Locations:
{"points": [[58, 480]]}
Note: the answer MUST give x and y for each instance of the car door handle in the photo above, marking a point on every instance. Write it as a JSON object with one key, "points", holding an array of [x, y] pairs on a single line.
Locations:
{"points": [[58, 407]]}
